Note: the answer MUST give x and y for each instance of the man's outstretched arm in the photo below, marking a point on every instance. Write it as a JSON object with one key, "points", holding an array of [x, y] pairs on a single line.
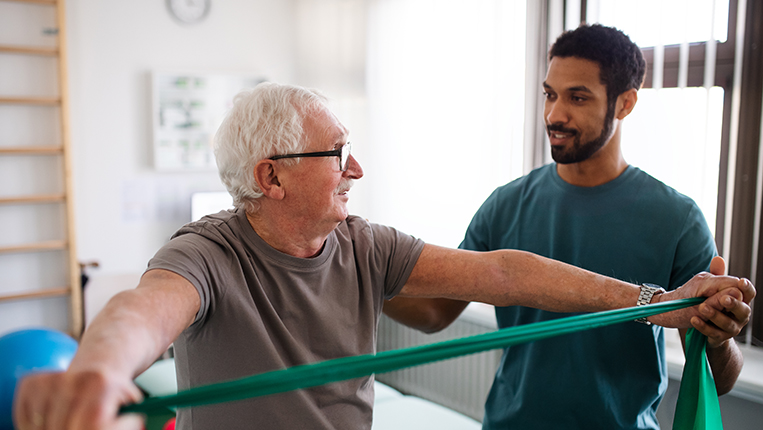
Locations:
{"points": [[132, 330], [511, 277]]}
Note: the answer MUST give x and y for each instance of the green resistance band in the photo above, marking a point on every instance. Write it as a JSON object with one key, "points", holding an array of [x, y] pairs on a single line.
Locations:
{"points": [[311, 375], [697, 406]]}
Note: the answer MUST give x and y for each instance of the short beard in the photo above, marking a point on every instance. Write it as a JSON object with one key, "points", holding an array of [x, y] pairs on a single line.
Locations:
{"points": [[583, 151]]}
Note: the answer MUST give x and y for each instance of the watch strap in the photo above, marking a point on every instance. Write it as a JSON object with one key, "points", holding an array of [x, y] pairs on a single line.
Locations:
{"points": [[645, 297]]}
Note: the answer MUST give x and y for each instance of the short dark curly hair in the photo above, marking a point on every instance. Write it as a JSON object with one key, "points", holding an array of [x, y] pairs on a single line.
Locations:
{"points": [[620, 60]]}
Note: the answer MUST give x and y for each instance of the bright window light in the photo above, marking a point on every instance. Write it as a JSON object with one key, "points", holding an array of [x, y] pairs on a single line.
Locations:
{"points": [[446, 102], [666, 22]]}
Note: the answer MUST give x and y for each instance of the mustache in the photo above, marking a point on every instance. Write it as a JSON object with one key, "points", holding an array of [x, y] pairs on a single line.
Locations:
{"points": [[561, 129], [345, 185]]}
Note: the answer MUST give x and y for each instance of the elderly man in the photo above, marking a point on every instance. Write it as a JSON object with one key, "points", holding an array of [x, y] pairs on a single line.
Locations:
{"points": [[289, 278]]}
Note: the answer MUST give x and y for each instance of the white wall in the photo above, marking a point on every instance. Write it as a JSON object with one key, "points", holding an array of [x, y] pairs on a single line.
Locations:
{"points": [[124, 209]]}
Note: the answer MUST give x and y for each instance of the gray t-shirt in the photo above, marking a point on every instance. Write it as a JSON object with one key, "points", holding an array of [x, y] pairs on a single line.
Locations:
{"points": [[263, 310]]}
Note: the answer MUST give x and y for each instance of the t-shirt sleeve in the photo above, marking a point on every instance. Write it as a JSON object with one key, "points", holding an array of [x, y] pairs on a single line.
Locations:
{"points": [[477, 237], [395, 255], [192, 257], [695, 249]]}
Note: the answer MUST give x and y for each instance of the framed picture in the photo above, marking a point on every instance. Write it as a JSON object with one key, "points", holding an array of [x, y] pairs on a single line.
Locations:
{"points": [[187, 110]]}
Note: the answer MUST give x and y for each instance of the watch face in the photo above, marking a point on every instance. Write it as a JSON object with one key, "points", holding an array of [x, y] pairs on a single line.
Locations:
{"points": [[189, 11]]}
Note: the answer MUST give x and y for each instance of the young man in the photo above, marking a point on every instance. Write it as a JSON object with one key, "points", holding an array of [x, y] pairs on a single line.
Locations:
{"points": [[289, 278], [592, 210]]}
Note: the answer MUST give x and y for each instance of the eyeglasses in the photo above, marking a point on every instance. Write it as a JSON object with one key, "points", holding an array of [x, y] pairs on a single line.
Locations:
{"points": [[343, 153]]}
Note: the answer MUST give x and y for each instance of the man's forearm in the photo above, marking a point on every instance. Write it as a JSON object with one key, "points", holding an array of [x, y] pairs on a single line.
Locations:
{"points": [[127, 335], [518, 278], [726, 363], [511, 277], [120, 339], [560, 287], [138, 325]]}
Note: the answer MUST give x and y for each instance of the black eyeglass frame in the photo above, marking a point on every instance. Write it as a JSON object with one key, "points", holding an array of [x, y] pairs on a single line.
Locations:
{"points": [[343, 163]]}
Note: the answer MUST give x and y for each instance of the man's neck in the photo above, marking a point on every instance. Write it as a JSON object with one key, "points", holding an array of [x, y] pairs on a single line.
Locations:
{"points": [[287, 236], [591, 173]]}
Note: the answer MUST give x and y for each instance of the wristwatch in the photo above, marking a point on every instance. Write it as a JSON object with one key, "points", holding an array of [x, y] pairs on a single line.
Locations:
{"points": [[645, 297]]}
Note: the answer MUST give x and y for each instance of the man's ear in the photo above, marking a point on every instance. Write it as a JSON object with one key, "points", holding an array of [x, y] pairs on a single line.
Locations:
{"points": [[266, 176], [625, 103]]}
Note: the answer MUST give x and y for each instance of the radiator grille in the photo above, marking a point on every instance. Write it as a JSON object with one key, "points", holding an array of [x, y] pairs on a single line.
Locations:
{"points": [[461, 383]]}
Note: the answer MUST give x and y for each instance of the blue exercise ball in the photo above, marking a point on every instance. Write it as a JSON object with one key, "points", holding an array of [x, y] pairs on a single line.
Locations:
{"points": [[25, 351]]}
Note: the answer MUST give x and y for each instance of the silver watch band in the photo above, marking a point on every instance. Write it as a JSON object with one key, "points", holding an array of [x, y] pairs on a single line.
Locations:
{"points": [[645, 297]]}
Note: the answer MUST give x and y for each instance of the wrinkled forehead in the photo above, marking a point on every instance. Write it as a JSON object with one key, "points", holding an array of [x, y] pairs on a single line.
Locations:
{"points": [[322, 127]]}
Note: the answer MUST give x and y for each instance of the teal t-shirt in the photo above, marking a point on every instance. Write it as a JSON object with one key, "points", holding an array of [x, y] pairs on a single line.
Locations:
{"points": [[633, 228]]}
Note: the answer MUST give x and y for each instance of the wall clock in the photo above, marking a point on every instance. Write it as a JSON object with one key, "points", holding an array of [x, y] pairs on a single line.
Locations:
{"points": [[189, 11]]}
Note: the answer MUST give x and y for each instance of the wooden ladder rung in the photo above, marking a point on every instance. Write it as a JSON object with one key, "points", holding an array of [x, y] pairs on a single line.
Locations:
{"points": [[51, 292], [20, 150], [32, 50], [51, 245], [36, 198], [52, 101]]}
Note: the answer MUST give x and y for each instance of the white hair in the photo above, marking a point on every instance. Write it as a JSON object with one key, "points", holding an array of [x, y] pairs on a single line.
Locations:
{"points": [[263, 122]]}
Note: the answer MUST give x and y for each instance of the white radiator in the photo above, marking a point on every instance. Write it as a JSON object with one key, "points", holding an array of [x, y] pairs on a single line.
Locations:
{"points": [[461, 383]]}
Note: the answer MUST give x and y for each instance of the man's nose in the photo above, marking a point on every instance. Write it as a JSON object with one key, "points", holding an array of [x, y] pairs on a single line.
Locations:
{"points": [[354, 171], [556, 113]]}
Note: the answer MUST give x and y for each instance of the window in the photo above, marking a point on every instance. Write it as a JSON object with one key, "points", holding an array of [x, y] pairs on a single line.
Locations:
{"points": [[433, 94], [446, 103]]}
